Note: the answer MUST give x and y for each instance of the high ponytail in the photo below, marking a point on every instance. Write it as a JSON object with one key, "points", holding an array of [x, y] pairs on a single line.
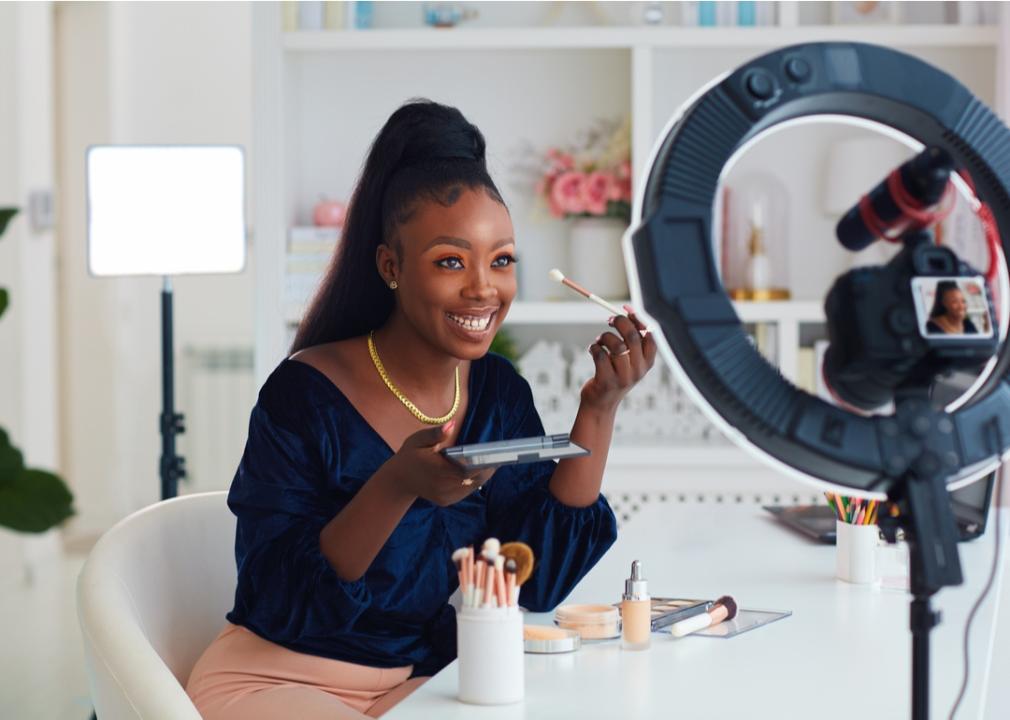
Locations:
{"points": [[422, 152]]}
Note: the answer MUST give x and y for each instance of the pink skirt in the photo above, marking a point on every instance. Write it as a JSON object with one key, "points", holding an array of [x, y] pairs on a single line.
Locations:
{"points": [[241, 676]]}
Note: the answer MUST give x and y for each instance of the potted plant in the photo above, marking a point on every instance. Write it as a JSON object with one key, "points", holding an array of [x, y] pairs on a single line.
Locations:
{"points": [[31, 500]]}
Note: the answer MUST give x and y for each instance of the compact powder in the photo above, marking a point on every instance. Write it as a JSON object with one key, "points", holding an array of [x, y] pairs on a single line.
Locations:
{"points": [[545, 639], [592, 622]]}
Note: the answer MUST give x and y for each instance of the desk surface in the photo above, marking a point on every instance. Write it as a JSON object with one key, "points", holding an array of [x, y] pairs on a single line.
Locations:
{"points": [[845, 647]]}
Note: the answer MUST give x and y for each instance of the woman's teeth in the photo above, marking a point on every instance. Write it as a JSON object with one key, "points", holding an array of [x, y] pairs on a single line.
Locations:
{"points": [[469, 322]]}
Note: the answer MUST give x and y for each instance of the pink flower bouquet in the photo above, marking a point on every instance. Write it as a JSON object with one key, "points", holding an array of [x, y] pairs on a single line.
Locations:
{"points": [[592, 178]]}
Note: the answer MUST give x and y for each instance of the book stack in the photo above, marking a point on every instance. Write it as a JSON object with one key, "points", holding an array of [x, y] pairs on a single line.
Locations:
{"points": [[309, 250]]}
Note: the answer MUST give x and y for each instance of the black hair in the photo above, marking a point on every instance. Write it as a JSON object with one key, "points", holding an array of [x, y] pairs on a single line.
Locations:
{"points": [[942, 288], [425, 151]]}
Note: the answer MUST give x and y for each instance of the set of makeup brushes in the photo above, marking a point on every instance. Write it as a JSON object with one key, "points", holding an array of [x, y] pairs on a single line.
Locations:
{"points": [[854, 510], [493, 578]]}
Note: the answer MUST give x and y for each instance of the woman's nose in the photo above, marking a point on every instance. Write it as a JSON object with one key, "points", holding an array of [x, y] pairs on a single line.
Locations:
{"points": [[479, 285]]}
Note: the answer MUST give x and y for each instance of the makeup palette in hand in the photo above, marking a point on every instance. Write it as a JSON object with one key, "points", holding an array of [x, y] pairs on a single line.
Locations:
{"points": [[514, 452]]}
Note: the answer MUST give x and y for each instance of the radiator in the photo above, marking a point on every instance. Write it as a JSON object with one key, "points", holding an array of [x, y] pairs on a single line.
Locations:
{"points": [[217, 390]]}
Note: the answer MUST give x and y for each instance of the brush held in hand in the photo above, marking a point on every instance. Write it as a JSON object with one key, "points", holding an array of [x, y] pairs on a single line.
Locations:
{"points": [[558, 276]]}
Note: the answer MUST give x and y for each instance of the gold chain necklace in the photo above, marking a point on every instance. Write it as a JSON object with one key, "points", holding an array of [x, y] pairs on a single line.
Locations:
{"points": [[427, 419]]}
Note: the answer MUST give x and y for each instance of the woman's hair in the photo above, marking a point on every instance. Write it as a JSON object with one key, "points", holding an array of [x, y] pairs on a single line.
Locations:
{"points": [[425, 151], [942, 288]]}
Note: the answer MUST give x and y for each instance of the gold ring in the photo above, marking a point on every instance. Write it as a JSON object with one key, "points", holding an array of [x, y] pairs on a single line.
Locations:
{"points": [[622, 354], [467, 482]]}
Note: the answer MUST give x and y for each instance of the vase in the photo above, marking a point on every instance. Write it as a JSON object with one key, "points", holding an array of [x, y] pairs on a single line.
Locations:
{"points": [[595, 257]]}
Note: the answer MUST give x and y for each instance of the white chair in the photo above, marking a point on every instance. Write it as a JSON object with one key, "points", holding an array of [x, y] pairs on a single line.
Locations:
{"points": [[151, 597]]}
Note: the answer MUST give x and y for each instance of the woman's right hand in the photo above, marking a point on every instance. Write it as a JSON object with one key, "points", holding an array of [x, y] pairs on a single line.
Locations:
{"points": [[422, 470]]}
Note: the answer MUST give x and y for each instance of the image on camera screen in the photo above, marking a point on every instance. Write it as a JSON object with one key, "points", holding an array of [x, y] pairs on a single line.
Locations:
{"points": [[952, 307]]}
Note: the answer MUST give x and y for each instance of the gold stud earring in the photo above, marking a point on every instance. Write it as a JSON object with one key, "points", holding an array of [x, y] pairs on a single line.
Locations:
{"points": [[393, 285]]}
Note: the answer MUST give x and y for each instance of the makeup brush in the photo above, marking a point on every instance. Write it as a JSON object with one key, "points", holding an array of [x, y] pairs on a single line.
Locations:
{"points": [[478, 588], [459, 560], [499, 581], [522, 555], [722, 609], [511, 591], [558, 276], [489, 583]]}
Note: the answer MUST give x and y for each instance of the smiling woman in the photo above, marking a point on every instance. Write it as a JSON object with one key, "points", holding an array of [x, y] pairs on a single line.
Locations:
{"points": [[348, 513]]}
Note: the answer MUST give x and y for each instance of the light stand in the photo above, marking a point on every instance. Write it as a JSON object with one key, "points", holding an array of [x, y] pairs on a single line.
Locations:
{"points": [[166, 210], [172, 466], [928, 524]]}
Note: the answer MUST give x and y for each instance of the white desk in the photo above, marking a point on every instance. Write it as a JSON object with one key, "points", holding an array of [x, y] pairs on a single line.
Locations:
{"points": [[844, 652]]}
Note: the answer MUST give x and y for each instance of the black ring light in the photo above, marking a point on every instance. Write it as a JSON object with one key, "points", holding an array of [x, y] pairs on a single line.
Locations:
{"points": [[678, 280], [673, 272]]}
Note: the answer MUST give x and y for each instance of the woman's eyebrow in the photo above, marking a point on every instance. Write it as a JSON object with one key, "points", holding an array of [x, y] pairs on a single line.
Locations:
{"points": [[465, 244]]}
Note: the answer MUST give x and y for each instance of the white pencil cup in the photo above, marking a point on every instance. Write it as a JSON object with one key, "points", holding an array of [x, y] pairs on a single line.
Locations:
{"points": [[489, 643], [856, 549]]}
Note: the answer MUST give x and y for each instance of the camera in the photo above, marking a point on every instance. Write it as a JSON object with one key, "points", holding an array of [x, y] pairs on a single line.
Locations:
{"points": [[925, 313]]}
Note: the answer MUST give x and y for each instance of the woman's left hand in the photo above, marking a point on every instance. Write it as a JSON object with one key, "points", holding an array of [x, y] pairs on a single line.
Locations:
{"points": [[621, 361]]}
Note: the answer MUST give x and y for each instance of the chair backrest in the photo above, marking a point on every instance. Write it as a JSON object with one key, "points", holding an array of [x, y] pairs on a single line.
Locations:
{"points": [[151, 597]]}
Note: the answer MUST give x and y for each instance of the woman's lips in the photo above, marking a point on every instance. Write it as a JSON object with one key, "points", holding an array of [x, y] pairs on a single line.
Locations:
{"points": [[471, 326]]}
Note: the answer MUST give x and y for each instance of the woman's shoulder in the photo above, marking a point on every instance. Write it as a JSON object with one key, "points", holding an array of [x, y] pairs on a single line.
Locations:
{"points": [[303, 381]]}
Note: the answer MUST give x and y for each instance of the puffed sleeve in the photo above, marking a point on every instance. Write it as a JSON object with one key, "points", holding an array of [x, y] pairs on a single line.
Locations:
{"points": [[287, 591], [567, 541]]}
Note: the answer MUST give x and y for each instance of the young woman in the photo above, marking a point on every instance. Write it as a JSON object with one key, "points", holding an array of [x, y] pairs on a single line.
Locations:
{"points": [[347, 512], [949, 314]]}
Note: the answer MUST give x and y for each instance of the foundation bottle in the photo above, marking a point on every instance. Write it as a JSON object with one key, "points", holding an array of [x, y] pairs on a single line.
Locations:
{"points": [[636, 611]]}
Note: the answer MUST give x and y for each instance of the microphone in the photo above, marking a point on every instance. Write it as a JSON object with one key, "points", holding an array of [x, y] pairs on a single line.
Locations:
{"points": [[904, 201]]}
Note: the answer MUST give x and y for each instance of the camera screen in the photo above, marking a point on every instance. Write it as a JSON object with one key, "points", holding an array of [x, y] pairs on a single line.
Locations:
{"points": [[952, 307]]}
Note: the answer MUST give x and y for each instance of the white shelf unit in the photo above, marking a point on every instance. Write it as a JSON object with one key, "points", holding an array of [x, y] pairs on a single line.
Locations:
{"points": [[319, 98]]}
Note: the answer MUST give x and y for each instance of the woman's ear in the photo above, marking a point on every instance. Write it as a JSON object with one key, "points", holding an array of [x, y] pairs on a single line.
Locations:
{"points": [[388, 264]]}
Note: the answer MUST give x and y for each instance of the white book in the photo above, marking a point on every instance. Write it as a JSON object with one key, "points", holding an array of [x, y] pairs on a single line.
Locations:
{"points": [[689, 13], [725, 14], [764, 13], [821, 347]]}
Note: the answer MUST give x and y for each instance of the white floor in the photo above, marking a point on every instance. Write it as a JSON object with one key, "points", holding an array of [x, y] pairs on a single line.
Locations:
{"points": [[42, 673]]}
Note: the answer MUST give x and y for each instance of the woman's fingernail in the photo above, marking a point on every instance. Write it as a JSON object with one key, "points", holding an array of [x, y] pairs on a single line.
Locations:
{"points": [[447, 428], [628, 308]]}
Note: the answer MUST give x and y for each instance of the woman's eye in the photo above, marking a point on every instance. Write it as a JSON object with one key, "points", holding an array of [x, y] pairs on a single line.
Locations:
{"points": [[503, 261], [450, 263]]}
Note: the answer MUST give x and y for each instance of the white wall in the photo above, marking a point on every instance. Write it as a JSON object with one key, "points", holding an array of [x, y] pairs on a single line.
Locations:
{"points": [[28, 365], [138, 73]]}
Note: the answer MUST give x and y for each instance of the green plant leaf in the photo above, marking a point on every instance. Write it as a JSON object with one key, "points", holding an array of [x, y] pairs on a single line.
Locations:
{"points": [[3, 300], [504, 344], [5, 217], [12, 463], [34, 502]]}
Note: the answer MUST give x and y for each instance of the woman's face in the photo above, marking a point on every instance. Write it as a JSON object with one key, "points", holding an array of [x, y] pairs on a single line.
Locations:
{"points": [[954, 304], [455, 271]]}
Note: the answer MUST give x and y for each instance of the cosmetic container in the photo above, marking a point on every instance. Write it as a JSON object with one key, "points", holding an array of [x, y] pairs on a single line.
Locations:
{"points": [[550, 640], [591, 622], [636, 611], [489, 642], [855, 551]]}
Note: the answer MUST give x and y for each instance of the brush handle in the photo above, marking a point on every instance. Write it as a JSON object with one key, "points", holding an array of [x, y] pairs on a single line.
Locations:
{"points": [[690, 625], [604, 304]]}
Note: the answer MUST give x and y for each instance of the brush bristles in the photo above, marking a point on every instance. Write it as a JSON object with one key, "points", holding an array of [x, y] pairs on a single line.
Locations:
{"points": [[730, 605], [556, 275]]}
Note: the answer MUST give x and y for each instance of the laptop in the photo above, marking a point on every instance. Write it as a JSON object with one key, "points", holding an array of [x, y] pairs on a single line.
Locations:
{"points": [[817, 522]]}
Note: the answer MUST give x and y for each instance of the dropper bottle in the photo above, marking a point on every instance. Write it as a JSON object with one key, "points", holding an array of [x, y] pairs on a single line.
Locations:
{"points": [[636, 611]]}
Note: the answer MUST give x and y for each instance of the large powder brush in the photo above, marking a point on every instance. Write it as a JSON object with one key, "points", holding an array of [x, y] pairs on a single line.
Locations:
{"points": [[522, 555]]}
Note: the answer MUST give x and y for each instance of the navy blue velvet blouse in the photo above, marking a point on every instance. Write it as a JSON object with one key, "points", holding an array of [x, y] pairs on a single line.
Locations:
{"points": [[309, 451]]}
